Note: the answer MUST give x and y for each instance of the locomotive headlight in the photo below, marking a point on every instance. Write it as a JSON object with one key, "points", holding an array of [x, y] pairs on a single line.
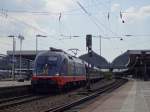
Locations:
{"points": [[57, 74]]}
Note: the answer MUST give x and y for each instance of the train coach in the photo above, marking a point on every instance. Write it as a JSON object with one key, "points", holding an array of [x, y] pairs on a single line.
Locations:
{"points": [[55, 69]]}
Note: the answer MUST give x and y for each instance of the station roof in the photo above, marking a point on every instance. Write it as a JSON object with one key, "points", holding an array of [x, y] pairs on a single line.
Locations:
{"points": [[27, 54], [121, 61], [129, 58], [96, 60], [136, 52], [139, 57]]}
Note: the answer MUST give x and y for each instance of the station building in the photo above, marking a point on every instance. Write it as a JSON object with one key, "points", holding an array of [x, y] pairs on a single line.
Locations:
{"points": [[27, 62], [27, 58]]}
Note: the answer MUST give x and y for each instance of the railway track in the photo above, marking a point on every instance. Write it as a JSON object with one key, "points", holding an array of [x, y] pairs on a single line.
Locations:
{"points": [[4, 100], [57, 102], [10, 102], [105, 89]]}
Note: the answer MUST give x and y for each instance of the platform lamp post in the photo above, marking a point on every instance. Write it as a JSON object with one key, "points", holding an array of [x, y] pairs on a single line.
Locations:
{"points": [[37, 41], [13, 56], [21, 39]]}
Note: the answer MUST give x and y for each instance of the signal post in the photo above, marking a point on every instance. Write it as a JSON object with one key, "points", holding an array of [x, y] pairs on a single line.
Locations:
{"points": [[89, 47]]}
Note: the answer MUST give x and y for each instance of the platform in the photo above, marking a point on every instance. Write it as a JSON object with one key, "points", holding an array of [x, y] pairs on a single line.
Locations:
{"points": [[4, 84], [134, 96]]}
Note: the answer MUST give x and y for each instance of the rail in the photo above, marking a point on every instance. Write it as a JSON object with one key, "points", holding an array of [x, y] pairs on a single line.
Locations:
{"points": [[107, 88]]}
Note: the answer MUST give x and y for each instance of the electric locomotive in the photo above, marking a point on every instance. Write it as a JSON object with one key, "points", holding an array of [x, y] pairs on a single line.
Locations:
{"points": [[55, 69]]}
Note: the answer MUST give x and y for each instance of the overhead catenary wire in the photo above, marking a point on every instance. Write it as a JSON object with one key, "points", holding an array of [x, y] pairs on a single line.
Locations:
{"points": [[94, 19], [88, 14], [67, 12], [129, 36], [107, 28], [30, 26], [24, 23], [62, 12], [40, 13]]}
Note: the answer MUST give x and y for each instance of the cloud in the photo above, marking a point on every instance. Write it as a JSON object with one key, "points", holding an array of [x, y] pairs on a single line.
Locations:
{"points": [[58, 5], [35, 22], [34, 5], [115, 7], [133, 14], [145, 9]]}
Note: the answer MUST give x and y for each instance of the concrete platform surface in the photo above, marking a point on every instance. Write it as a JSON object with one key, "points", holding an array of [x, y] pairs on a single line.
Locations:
{"points": [[134, 96], [4, 84]]}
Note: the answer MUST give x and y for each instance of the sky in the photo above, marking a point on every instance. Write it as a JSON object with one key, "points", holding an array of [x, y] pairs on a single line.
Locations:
{"points": [[122, 25]]}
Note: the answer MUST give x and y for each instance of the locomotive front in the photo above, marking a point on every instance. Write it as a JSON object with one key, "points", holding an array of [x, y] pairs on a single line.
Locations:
{"points": [[46, 70]]}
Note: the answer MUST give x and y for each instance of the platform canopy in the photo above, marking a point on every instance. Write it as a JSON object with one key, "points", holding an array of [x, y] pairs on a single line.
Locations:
{"points": [[121, 61], [138, 57], [137, 63], [95, 60], [130, 58]]}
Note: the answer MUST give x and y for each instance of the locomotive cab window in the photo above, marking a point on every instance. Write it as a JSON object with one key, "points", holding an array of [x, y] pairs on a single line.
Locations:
{"points": [[39, 64], [46, 65], [52, 61]]}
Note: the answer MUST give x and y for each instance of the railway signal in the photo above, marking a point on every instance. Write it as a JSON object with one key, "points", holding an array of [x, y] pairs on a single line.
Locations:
{"points": [[89, 46]]}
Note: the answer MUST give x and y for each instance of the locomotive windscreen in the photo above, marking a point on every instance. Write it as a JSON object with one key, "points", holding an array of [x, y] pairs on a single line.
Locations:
{"points": [[46, 65]]}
